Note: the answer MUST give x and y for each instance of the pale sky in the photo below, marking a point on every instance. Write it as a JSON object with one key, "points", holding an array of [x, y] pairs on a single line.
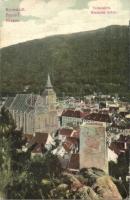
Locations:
{"points": [[42, 18]]}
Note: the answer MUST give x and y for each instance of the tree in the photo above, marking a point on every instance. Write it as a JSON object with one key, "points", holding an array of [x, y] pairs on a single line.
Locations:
{"points": [[12, 159], [22, 177], [6, 127]]}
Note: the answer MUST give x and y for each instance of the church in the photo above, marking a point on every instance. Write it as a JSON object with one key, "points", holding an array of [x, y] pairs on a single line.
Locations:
{"points": [[35, 113]]}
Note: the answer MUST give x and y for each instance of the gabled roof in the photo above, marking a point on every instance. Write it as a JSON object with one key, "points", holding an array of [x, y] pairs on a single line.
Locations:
{"points": [[67, 146], [98, 117], [72, 140], [38, 142], [75, 133], [72, 113], [70, 143], [39, 138], [66, 132], [28, 137], [23, 102], [8, 102]]}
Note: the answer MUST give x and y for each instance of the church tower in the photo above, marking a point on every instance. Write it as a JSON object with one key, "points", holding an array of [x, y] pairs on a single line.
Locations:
{"points": [[46, 120], [49, 95]]}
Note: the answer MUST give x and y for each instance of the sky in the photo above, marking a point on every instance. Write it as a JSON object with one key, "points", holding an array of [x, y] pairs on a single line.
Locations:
{"points": [[23, 20]]}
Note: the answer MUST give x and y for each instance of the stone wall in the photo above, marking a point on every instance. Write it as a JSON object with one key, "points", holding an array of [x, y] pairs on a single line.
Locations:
{"points": [[93, 149]]}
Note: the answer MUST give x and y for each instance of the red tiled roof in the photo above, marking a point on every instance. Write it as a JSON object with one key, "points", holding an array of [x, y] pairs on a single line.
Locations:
{"points": [[72, 113], [65, 132], [28, 137], [67, 146], [39, 138], [72, 140], [75, 133], [98, 117], [104, 112], [39, 141], [70, 143], [74, 162]]}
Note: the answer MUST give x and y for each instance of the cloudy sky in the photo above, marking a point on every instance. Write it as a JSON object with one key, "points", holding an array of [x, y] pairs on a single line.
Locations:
{"points": [[42, 18]]}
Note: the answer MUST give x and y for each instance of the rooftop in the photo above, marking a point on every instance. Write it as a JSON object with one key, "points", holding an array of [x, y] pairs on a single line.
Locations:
{"points": [[98, 117], [72, 113], [74, 162]]}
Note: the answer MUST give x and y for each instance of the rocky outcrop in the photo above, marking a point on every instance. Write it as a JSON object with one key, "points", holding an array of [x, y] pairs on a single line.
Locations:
{"points": [[91, 174], [88, 184], [87, 193], [106, 189]]}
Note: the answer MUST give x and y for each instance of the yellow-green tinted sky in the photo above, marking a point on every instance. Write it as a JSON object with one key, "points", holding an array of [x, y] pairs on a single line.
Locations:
{"points": [[42, 18]]}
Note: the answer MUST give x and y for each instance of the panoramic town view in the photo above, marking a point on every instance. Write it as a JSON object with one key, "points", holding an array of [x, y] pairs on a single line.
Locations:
{"points": [[65, 99], [64, 148]]}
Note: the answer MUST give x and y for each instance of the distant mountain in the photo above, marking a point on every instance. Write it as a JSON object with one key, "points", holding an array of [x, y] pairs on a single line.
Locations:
{"points": [[78, 63]]}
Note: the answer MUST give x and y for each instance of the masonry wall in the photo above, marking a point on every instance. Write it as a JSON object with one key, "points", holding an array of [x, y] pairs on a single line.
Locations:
{"points": [[93, 149]]}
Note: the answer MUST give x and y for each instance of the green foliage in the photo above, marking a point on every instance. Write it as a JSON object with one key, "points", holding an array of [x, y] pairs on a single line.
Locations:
{"points": [[6, 123], [120, 169], [20, 176], [45, 167], [87, 62], [23, 177]]}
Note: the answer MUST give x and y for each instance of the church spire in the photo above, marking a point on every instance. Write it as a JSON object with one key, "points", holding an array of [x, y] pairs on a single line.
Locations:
{"points": [[49, 95], [48, 84]]}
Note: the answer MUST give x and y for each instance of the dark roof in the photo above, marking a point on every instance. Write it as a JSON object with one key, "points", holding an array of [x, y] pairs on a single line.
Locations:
{"points": [[28, 137], [72, 140], [118, 146], [39, 138], [75, 134], [98, 117], [67, 146], [23, 102], [104, 112], [74, 162], [38, 141], [123, 113], [72, 113], [70, 143], [8, 102], [65, 132]]}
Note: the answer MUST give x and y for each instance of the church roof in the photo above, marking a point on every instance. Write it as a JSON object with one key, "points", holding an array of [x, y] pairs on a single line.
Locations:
{"points": [[8, 102], [23, 102], [49, 84], [48, 88]]}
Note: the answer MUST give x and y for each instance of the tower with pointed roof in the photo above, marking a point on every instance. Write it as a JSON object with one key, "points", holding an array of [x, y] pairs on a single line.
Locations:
{"points": [[48, 84], [35, 113], [49, 95]]}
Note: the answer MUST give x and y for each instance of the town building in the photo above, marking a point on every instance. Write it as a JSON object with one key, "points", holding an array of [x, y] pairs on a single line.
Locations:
{"points": [[71, 117], [35, 113]]}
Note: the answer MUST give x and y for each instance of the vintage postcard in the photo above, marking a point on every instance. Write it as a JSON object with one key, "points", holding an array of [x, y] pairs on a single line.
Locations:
{"points": [[65, 99]]}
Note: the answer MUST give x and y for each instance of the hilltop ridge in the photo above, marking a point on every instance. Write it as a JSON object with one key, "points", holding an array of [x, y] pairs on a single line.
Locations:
{"points": [[79, 63]]}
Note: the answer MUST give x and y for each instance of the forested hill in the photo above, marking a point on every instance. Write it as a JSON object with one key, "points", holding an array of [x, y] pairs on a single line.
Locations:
{"points": [[78, 63]]}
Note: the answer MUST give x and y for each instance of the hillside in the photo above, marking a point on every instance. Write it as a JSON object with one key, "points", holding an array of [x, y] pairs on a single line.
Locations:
{"points": [[78, 63]]}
